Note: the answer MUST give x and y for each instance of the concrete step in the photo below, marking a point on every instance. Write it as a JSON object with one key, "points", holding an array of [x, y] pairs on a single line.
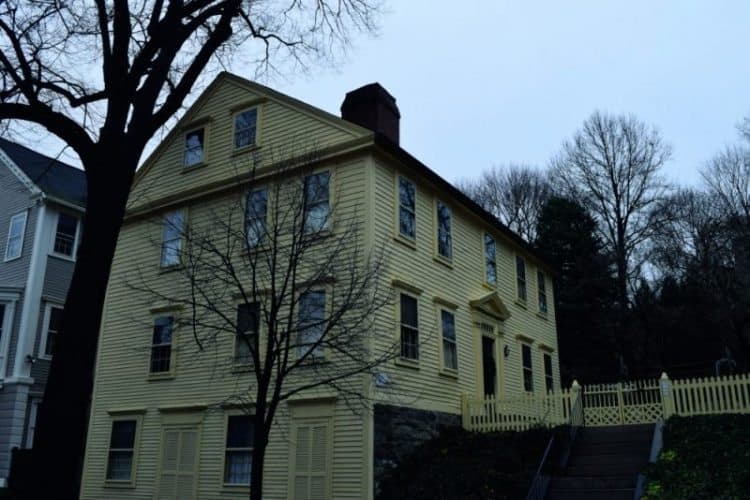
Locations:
{"points": [[631, 468], [599, 448], [592, 483], [639, 459], [592, 494]]}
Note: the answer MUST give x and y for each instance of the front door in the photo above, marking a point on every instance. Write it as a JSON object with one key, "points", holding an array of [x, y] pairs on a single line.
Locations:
{"points": [[489, 366]]}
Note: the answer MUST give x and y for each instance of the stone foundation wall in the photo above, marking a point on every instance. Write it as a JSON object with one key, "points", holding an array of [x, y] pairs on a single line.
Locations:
{"points": [[398, 430]]}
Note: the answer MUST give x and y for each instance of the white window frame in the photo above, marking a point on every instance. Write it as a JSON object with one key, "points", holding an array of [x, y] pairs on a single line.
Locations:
{"points": [[443, 365], [22, 236], [305, 208], [76, 237], [541, 285], [234, 128], [137, 418], [521, 281], [204, 147], [45, 328], [227, 449], [412, 210], [486, 238], [180, 238], [525, 369], [9, 301], [252, 218], [449, 230]]}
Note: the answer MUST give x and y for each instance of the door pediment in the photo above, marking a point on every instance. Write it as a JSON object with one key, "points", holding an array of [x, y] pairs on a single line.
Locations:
{"points": [[492, 305]]}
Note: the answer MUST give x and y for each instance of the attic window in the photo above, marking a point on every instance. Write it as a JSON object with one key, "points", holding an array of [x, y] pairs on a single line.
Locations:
{"points": [[194, 147], [245, 128]]}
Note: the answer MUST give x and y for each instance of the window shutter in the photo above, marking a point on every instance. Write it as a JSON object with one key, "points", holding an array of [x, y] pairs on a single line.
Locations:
{"points": [[311, 461], [179, 454]]}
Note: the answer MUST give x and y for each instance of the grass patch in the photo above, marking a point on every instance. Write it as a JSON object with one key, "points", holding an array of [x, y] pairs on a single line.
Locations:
{"points": [[705, 457], [468, 466]]}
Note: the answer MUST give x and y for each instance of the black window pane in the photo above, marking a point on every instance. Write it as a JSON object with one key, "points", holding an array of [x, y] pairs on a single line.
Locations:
{"points": [[449, 325], [406, 225], [547, 364], [55, 316], [247, 318], [526, 352], [65, 234], [160, 358], [123, 434], [409, 310], [162, 330], [521, 268], [406, 193], [316, 188], [240, 432]]}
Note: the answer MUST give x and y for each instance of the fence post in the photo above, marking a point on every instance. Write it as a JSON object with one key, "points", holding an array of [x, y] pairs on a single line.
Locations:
{"points": [[667, 395], [576, 404]]}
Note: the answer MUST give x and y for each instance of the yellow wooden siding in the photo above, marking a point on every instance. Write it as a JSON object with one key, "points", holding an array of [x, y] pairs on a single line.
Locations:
{"points": [[283, 131], [458, 283]]}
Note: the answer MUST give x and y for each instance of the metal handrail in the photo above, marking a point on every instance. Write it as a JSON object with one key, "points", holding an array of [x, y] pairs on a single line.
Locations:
{"points": [[539, 484]]}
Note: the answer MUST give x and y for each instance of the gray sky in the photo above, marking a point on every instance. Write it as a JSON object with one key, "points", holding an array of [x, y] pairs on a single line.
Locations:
{"points": [[506, 81]]}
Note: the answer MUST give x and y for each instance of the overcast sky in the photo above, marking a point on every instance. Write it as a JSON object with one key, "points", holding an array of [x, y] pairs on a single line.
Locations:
{"points": [[480, 83]]}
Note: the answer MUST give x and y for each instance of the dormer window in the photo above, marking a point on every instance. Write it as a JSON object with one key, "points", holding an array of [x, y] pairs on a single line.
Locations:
{"points": [[65, 235], [194, 147], [245, 128]]}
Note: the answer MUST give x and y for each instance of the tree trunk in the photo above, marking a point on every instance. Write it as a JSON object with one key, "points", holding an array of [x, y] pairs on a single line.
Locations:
{"points": [[259, 457], [60, 436]]}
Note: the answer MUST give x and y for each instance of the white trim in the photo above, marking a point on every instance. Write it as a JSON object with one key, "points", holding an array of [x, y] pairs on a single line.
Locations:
{"points": [[76, 237], [32, 294], [9, 301], [16, 170], [25, 215], [45, 328], [31, 424]]}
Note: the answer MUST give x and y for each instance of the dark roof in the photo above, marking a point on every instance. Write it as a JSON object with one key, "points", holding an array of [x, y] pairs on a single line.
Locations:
{"points": [[53, 177], [398, 152]]}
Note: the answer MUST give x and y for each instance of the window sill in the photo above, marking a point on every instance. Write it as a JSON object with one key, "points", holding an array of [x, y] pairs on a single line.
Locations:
{"points": [[62, 256], [491, 288], [170, 269], [443, 260], [407, 363], [542, 315], [449, 373], [242, 367], [236, 487], [44, 357], [13, 258], [521, 303], [156, 377], [111, 483], [406, 241], [245, 149]]}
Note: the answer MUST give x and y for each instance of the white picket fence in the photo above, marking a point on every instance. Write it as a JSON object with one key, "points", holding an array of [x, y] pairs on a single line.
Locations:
{"points": [[636, 402]]}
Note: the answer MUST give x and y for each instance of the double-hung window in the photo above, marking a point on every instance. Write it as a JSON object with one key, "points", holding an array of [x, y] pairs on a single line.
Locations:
{"points": [[528, 369], [54, 317], [238, 457], [549, 381], [490, 260], [245, 128], [161, 344], [121, 450], [16, 231], [409, 327], [542, 288], [407, 208], [194, 147], [256, 212], [65, 234], [521, 278], [448, 327], [312, 310], [317, 208], [444, 236], [246, 339], [171, 240]]}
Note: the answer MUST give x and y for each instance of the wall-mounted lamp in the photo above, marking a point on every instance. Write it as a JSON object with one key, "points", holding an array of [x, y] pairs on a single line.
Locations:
{"points": [[506, 351], [30, 359]]}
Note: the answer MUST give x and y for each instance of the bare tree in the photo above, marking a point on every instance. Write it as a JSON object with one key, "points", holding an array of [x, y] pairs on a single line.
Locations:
{"points": [[278, 272], [515, 194], [612, 167], [727, 176], [104, 77]]}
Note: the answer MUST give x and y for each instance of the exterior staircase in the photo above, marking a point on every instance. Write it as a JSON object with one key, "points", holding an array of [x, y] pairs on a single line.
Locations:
{"points": [[604, 464]]}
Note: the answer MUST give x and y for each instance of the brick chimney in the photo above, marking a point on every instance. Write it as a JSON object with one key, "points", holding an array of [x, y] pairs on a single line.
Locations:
{"points": [[374, 108]]}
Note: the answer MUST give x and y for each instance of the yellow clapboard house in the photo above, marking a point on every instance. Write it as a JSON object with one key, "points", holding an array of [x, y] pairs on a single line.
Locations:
{"points": [[472, 309]]}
